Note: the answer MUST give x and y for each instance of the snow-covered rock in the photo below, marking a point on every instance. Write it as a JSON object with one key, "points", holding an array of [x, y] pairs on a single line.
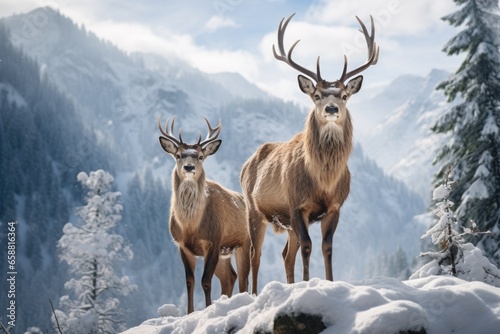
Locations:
{"points": [[381, 305]]}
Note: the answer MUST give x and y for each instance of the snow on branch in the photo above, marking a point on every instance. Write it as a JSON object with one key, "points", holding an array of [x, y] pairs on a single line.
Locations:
{"points": [[93, 252], [453, 256]]}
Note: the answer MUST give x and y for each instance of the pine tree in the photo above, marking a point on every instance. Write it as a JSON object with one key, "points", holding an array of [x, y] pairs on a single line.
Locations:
{"points": [[454, 256], [473, 124], [92, 252]]}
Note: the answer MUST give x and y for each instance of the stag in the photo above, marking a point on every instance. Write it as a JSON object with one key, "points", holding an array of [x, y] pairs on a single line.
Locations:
{"points": [[206, 219], [293, 184]]}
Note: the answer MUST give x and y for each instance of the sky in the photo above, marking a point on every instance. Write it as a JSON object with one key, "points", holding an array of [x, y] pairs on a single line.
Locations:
{"points": [[237, 35]]}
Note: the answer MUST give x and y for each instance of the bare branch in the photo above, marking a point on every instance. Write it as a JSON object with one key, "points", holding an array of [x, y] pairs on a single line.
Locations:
{"points": [[4, 329], [55, 317]]}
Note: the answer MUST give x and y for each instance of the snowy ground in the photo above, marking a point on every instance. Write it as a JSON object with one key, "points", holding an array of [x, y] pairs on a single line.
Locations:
{"points": [[437, 304]]}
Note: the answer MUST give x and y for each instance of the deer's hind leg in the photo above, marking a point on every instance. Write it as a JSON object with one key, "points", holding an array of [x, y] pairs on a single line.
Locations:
{"points": [[243, 265], [300, 227], [226, 275], [289, 256], [257, 225]]}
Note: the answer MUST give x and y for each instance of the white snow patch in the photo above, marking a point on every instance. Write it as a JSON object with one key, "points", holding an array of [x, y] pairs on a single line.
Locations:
{"points": [[439, 304]]}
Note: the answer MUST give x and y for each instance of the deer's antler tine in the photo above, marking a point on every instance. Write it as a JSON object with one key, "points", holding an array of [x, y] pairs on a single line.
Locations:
{"points": [[160, 127], [287, 57], [180, 135], [368, 37], [298, 67], [373, 50], [213, 133], [165, 132], [199, 138], [318, 72], [281, 32], [344, 70], [375, 60], [172, 127]]}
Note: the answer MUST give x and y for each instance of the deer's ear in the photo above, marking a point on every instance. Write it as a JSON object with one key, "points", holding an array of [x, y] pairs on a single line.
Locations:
{"points": [[168, 146], [354, 85], [212, 147], [306, 85]]}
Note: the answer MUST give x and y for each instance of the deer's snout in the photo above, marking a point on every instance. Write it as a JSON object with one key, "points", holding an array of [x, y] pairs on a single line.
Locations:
{"points": [[332, 110], [189, 168]]}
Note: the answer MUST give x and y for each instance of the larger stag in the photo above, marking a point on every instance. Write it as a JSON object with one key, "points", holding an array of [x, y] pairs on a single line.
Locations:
{"points": [[206, 219], [295, 183]]}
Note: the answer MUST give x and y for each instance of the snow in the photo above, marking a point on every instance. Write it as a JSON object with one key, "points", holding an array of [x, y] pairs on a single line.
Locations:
{"points": [[477, 190], [438, 304], [453, 255], [92, 253], [441, 192]]}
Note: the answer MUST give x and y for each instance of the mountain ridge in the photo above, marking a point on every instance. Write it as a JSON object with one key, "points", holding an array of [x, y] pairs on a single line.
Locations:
{"points": [[120, 99], [399, 138]]}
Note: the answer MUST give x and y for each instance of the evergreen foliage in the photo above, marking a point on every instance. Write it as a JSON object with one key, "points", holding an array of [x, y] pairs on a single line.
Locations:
{"points": [[474, 123], [92, 253], [454, 256], [43, 144]]}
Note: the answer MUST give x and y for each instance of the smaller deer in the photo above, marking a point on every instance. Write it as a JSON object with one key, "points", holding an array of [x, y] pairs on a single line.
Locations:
{"points": [[206, 219]]}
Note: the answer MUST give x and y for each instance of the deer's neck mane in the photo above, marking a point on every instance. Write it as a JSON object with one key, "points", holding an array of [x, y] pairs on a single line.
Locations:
{"points": [[190, 199], [327, 149]]}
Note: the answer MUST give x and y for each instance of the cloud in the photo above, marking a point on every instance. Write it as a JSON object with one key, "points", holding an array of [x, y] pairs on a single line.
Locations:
{"points": [[393, 17], [218, 22], [8, 7], [410, 34], [140, 38]]}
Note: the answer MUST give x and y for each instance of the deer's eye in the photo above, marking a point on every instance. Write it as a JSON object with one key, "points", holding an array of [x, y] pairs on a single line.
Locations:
{"points": [[177, 156], [344, 97], [201, 157], [317, 97]]}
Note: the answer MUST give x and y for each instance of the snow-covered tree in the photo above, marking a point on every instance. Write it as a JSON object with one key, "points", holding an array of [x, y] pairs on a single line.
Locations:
{"points": [[473, 124], [93, 254], [454, 256]]}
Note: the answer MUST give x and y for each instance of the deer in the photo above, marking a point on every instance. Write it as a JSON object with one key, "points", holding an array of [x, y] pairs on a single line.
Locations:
{"points": [[306, 179], [206, 219]]}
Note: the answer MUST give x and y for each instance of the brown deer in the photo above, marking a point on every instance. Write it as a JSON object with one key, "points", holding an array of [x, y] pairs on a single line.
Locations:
{"points": [[295, 183], [206, 219]]}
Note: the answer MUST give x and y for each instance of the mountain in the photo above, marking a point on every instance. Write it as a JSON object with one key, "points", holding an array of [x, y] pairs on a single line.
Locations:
{"points": [[395, 128], [43, 143], [238, 86], [115, 101]]}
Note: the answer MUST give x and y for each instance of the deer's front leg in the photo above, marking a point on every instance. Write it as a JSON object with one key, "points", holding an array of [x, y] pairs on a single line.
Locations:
{"points": [[189, 262], [300, 228], [211, 260], [328, 226]]}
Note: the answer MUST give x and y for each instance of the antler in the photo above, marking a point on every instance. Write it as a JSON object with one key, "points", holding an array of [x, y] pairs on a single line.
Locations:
{"points": [[165, 132], [287, 58], [212, 135], [373, 51]]}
